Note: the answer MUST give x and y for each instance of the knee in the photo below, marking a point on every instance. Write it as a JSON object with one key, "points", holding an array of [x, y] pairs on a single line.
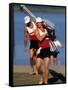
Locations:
{"points": [[31, 53], [38, 62], [51, 58], [31, 57]]}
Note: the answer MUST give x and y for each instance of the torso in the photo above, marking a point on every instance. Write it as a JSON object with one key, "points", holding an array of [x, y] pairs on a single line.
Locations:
{"points": [[42, 32], [31, 32], [44, 43]]}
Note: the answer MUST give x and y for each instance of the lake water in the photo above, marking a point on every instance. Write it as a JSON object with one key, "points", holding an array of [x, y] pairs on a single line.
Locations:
{"points": [[58, 18]]}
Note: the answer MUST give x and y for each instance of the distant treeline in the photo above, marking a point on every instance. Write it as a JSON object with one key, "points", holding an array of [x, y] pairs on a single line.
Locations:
{"points": [[42, 8]]}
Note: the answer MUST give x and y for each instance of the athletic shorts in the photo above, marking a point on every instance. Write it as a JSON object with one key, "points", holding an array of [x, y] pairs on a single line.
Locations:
{"points": [[34, 44], [44, 53], [54, 53]]}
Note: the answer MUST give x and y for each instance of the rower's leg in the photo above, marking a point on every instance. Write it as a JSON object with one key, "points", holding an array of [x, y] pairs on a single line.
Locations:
{"points": [[52, 59], [46, 70], [33, 60], [39, 70]]}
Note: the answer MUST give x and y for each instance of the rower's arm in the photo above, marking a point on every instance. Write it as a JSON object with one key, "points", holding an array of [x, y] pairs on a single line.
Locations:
{"points": [[40, 38], [25, 38]]}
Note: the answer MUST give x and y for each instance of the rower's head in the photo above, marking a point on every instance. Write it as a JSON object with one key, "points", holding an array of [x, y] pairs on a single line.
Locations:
{"points": [[27, 21], [39, 22]]}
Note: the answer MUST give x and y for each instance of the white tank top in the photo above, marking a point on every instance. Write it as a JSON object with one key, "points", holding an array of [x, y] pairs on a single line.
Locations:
{"points": [[31, 30], [42, 33]]}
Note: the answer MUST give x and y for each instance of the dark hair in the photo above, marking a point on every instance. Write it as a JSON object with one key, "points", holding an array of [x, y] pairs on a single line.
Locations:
{"points": [[28, 24], [53, 38], [51, 32]]}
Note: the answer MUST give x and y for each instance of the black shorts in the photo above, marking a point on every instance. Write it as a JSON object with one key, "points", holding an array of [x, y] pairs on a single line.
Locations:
{"points": [[44, 53], [34, 44], [54, 53]]}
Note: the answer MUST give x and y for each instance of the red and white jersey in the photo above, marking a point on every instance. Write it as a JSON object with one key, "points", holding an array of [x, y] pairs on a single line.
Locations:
{"points": [[44, 43], [31, 31]]}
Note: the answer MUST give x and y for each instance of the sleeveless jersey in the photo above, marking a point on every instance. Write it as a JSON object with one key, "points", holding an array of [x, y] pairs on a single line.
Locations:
{"points": [[31, 32], [44, 43]]}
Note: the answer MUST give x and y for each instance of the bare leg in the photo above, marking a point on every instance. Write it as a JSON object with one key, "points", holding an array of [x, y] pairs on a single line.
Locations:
{"points": [[31, 57], [45, 75], [55, 61], [38, 66], [51, 59], [34, 64], [33, 60]]}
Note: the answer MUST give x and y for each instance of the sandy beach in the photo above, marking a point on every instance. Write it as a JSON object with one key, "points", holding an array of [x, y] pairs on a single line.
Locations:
{"points": [[22, 75], [27, 68]]}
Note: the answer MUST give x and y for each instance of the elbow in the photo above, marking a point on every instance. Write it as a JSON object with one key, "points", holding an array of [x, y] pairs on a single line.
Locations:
{"points": [[40, 39], [62, 46]]}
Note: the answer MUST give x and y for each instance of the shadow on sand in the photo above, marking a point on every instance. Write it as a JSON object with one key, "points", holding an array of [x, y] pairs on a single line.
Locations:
{"points": [[56, 77]]}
